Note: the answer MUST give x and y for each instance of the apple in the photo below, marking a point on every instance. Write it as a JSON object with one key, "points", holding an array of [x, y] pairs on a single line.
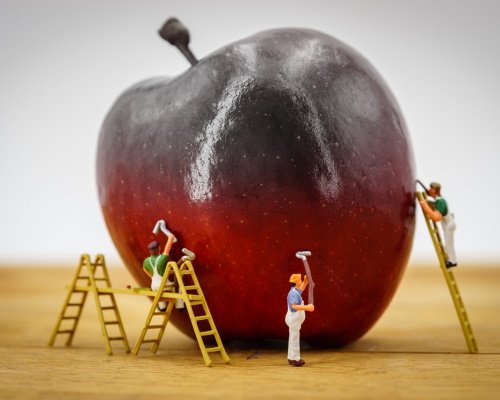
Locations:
{"points": [[287, 140]]}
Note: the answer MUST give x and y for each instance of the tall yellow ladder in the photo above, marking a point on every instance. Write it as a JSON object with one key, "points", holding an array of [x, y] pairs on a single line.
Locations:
{"points": [[196, 306], [94, 276], [450, 280]]}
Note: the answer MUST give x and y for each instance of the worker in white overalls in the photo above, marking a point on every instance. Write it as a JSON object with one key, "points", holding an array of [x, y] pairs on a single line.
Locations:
{"points": [[295, 316], [154, 266], [440, 212]]}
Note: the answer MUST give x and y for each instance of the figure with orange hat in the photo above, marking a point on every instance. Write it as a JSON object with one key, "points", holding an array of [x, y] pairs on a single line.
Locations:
{"points": [[295, 316]]}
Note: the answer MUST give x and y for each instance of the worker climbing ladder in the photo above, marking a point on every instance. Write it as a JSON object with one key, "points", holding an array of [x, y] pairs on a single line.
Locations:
{"points": [[94, 275], [450, 279], [197, 308]]}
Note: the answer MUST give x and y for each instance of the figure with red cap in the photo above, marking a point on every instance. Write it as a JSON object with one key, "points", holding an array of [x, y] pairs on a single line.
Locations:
{"points": [[295, 316], [154, 265]]}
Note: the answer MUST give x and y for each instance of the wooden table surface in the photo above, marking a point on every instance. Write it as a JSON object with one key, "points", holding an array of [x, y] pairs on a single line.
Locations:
{"points": [[416, 350]]}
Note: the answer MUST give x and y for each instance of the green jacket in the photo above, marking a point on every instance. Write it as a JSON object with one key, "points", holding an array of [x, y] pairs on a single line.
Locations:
{"points": [[160, 261], [442, 206]]}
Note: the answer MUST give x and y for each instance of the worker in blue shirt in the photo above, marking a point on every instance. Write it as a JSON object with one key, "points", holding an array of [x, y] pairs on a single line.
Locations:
{"points": [[295, 316]]}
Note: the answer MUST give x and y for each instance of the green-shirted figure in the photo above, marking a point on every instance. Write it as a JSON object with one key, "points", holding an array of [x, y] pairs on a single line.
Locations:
{"points": [[440, 212], [154, 266]]}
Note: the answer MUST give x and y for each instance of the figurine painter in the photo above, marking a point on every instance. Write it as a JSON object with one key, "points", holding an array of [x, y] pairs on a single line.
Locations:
{"points": [[295, 316], [439, 212], [154, 265]]}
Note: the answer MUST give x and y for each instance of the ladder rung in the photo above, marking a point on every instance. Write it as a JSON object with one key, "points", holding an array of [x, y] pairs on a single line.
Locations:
{"points": [[155, 326], [201, 318], [207, 333], [196, 303], [111, 322], [108, 308], [213, 349], [100, 279], [69, 318], [150, 341], [66, 331], [116, 338], [186, 272], [74, 304], [160, 313], [192, 287], [104, 294]]}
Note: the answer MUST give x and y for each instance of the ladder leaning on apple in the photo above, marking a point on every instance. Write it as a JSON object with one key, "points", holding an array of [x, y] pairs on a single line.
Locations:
{"points": [[448, 275]]}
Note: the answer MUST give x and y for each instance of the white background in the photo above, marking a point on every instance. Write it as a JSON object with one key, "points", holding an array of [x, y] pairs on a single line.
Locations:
{"points": [[63, 63]]}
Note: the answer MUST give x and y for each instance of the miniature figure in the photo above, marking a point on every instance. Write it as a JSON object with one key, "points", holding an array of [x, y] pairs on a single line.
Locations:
{"points": [[154, 265], [156, 272], [438, 211], [295, 316]]}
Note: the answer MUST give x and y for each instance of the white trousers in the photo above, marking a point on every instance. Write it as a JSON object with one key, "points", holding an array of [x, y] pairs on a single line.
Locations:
{"points": [[155, 285], [294, 321], [449, 226]]}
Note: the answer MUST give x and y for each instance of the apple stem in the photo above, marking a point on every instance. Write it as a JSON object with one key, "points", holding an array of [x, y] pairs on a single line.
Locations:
{"points": [[177, 35]]}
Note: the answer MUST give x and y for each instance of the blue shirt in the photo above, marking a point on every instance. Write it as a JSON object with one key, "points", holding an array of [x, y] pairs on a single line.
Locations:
{"points": [[294, 297]]}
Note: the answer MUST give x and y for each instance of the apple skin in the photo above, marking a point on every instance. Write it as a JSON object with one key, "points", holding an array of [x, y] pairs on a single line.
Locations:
{"points": [[287, 140]]}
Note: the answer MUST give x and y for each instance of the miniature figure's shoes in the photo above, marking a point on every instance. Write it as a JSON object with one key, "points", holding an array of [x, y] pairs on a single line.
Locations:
{"points": [[296, 363], [449, 264], [179, 304]]}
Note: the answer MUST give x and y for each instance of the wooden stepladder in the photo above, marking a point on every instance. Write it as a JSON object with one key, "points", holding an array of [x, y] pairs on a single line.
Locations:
{"points": [[450, 279], [201, 318], [94, 277]]}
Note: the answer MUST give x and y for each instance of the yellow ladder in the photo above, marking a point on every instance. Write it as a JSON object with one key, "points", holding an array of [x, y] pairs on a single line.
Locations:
{"points": [[196, 306], [160, 323], [450, 280], [75, 300]]}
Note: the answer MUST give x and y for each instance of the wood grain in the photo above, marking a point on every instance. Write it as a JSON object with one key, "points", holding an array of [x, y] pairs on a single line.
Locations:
{"points": [[416, 350]]}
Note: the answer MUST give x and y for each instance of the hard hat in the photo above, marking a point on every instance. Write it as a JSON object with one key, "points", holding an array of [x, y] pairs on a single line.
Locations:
{"points": [[295, 278]]}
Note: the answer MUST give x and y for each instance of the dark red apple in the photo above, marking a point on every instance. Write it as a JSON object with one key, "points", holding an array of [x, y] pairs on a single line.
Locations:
{"points": [[287, 140]]}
